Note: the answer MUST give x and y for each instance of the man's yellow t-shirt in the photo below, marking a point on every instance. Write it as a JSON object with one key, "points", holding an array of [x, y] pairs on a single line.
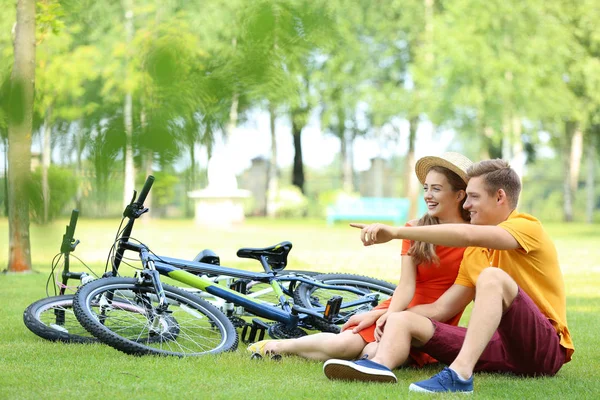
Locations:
{"points": [[534, 267]]}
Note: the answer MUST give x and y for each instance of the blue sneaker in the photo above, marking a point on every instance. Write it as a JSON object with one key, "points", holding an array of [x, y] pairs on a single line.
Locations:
{"points": [[360, 370], [445, 381]]}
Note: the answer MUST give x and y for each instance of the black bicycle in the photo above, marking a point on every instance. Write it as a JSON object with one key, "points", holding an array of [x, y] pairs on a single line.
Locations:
{"points": [[174, 321], [52, 317]]}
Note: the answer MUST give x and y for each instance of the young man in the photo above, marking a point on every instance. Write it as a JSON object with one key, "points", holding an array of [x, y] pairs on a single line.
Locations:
{"points": [[518, 323]]}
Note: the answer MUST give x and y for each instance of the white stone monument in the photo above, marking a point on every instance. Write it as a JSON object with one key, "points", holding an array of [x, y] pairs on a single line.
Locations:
{"points": [[221, 202]]}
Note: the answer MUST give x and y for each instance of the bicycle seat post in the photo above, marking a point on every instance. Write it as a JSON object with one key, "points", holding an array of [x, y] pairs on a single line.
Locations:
{"points": [[265, 263]]}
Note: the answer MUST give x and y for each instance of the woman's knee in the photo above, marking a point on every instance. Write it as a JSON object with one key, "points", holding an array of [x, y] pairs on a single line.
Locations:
{"points": [[345, 343]]}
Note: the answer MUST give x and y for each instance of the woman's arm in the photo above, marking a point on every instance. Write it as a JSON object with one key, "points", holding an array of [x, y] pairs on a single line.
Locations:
{"points": [[403, 294], [406, 286]]}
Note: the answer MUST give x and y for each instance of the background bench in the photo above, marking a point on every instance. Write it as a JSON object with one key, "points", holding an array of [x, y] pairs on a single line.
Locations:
{"points": [[372, 209]]}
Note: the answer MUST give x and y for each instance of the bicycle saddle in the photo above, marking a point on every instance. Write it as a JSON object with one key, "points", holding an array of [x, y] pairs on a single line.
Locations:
{"points": [[276, 255], [207, 256]]}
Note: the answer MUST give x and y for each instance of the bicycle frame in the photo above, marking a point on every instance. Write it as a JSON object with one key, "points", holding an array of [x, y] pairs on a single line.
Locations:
{"points": [[289, 315]]}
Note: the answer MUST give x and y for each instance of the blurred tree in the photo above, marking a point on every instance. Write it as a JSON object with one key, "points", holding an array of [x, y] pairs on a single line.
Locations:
{"points": [[340, 83], [583, 79], [20, 116]]}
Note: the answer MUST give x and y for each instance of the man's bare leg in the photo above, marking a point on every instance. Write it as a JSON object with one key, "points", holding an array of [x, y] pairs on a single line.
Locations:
{"points": [[369, 350], [495, 292], [320, 346]]}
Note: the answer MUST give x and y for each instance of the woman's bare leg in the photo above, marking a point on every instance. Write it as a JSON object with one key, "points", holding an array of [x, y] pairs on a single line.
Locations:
{"points": [[320, 346]]}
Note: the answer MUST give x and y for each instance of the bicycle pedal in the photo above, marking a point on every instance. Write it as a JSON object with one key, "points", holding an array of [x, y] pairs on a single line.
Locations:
{"points": [[249, 331], [332, 308]]}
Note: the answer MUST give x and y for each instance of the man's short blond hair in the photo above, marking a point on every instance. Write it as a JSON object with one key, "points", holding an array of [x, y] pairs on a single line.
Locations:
{"points": [[497, 174]]}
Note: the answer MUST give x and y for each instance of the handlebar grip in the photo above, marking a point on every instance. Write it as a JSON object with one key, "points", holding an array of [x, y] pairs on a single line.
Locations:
{"points": [[145, 190], [72, 224]]}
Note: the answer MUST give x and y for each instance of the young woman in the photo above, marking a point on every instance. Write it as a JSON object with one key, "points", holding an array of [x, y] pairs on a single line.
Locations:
{"points": [[426, 272]]}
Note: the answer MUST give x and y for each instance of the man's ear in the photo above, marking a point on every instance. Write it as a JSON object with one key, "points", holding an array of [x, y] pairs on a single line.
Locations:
{"points": [[501, 196]]}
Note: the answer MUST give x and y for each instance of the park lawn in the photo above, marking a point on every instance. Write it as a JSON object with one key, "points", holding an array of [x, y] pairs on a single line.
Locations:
{"points": [[33, 368]]}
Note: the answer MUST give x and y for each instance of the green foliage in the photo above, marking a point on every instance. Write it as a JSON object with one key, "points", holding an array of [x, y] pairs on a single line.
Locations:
{"points": [[48, 17], [364, 66], [163, 191], [63, 187]]}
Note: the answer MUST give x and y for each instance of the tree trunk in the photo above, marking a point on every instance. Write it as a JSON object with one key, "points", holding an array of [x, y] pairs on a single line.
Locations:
{"points": [[233, 114], [79, 166], [298, 172], [507, 138], [576, 155], [272, 179], [191, 181], [568, 195], [485, 143], [590, 177], [19, 137], [129, 178], [347, 171], [46, 161], [517, 162], [412, 183], [5, 144], [148, 163]]}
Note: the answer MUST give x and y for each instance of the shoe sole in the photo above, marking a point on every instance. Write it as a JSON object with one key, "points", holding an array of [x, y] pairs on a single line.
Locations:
{"points": [[419, 389], [352, 372]]}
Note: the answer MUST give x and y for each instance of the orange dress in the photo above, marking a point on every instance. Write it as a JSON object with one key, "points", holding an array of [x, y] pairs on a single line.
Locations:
{"points": [[431, 282]]}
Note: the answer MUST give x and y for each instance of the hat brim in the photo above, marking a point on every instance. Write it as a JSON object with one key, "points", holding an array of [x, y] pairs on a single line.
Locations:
{"points": [[458, 166]]}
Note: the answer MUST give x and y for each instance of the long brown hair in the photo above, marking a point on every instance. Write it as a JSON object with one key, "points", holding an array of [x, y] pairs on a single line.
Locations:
{"points": [[422, 252]]}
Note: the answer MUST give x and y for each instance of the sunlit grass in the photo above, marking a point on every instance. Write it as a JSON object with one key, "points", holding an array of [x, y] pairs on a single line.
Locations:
{"points": [[33, 368]]}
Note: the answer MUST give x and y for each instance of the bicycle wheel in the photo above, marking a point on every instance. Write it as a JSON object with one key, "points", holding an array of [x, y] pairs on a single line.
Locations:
{"points": [[189, 326], [52, 318], [311, 296]]}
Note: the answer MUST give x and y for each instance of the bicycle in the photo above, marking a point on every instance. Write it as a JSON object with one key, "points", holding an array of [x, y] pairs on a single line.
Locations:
{"points": [[177, 322], [52, 317]]}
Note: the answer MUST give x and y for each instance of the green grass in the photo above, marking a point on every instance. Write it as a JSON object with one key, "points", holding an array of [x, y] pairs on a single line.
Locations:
{"points": [[33, 368]]}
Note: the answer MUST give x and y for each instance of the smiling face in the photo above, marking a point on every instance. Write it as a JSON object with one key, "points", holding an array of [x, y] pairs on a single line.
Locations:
{"points": [[442, 200], [485, 208]]}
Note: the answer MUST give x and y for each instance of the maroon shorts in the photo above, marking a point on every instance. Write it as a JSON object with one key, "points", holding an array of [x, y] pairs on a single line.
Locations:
{"points": [[525, 342]]}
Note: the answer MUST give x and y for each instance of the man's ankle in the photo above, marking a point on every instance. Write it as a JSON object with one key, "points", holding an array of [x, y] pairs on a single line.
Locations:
{"points": [[463, 374]]}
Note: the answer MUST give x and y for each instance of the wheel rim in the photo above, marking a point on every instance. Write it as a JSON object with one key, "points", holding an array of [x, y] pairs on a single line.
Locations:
{"points": [[318, 297], [182, 330], [60, 317]]}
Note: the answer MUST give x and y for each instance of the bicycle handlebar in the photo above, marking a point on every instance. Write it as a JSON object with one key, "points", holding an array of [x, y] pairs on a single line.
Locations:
{"points": [[69, 233], [72, 224], [145, 190]]}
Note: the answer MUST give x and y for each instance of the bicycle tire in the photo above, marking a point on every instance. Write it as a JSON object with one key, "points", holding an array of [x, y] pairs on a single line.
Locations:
{"points": [[52, 318], [311, 296], [200, 327]]}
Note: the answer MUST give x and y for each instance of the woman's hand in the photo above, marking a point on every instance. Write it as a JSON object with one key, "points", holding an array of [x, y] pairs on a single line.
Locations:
{"points": [[362, 321], [380, 325]]}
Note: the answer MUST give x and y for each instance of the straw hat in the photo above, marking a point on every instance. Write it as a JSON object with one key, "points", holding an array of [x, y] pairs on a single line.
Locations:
{"points": [[455, 162]]}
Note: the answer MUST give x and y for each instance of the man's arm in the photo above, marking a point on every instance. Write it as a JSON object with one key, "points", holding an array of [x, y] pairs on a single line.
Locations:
{"points": [[450, 235], [453, 301]]}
